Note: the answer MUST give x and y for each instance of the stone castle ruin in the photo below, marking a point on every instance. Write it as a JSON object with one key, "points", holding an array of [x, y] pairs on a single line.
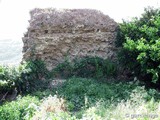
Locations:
{"points": [[54, 34]]}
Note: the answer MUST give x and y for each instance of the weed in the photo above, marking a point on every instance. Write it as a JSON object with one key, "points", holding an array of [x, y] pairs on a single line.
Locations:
{"points": [[88, 67]]}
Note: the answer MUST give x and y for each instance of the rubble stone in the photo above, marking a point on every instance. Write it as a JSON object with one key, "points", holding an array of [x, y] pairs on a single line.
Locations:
{"points": [[54, 34]]}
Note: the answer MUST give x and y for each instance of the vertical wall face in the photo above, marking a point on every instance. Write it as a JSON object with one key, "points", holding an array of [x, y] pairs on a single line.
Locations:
{"points": [[54, 34]]}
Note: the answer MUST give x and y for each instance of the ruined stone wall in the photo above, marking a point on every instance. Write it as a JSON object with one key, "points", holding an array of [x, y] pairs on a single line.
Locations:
{"points": [[54, 34]]}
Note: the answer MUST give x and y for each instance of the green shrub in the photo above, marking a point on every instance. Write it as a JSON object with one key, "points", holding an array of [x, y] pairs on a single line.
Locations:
{"points": [[26, 77], [17, 110], [88, 98], [94, 67], [9, 78], [83, 93], [140, 44], [34, 76], [64, 69], [84, 99]]}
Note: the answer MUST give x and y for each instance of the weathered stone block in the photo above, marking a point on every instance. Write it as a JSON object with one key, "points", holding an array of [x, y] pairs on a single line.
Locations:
{"points": [[54, 34]]}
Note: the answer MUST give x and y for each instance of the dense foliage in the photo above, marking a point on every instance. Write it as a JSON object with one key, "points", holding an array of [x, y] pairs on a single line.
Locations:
{"points": [[9, 78], [140, 42], [83, 93], [84, 99], [88, 67], [34, 76], [17, 110], [22, 79]]}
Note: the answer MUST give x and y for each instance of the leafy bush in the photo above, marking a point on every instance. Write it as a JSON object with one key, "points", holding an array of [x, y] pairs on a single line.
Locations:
{"points": [[16, 110], [140, 42], [9, 78], [64, 69], [86, 67], [83, 93], [90, 99], [24, 78], [34, 76], [80, 99]]}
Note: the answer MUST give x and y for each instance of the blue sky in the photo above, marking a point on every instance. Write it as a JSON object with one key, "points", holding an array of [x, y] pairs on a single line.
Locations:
{"points": [[14, 14]]}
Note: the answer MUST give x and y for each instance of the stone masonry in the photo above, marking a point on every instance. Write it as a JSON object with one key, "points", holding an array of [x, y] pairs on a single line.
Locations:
{"points": [[55, 34]]}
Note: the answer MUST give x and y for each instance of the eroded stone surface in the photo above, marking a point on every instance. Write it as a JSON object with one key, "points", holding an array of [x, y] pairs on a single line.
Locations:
{"points": [[54, 34]]}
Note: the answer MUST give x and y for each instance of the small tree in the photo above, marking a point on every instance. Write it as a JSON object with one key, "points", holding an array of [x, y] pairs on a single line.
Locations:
{"points": [[139, 40]]}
